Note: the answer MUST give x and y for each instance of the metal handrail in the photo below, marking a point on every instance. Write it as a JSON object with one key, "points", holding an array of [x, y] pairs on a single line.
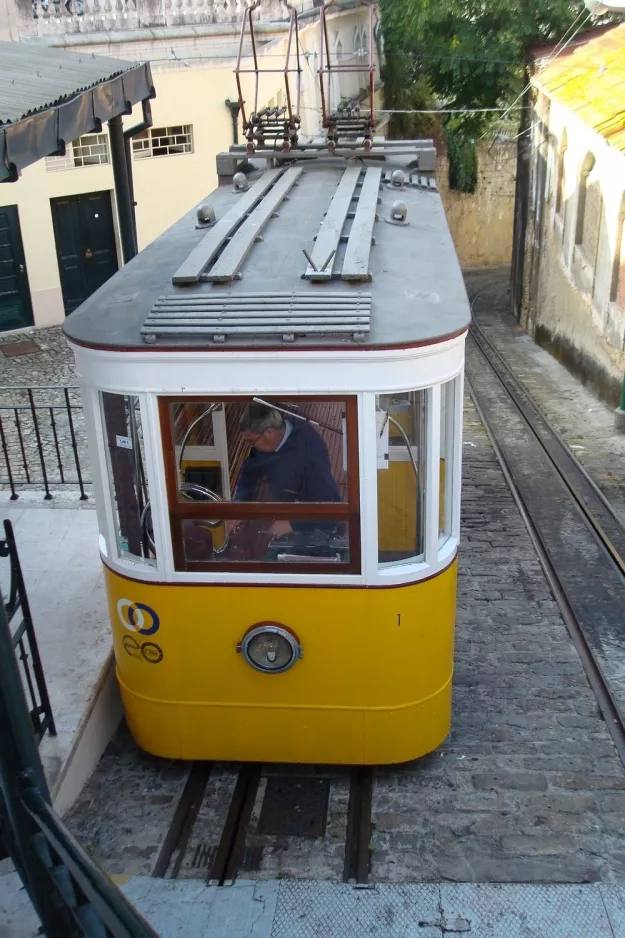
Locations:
{"points": [[108, 902], [72, 896]]}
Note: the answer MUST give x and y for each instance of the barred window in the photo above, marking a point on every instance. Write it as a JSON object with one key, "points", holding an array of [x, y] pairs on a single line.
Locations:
{"points": [[90, 150], [163, 141]]}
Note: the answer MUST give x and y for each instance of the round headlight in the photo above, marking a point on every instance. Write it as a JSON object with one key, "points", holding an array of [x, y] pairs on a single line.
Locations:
{"points": [[270, 648]]}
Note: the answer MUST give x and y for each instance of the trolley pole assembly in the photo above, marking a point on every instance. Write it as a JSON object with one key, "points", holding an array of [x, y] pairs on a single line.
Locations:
{"points": [[270, 125], [345, 118]]}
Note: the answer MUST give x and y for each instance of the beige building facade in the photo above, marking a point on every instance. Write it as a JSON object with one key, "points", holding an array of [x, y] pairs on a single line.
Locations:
{"points": [[64, 206], [574, 275]]}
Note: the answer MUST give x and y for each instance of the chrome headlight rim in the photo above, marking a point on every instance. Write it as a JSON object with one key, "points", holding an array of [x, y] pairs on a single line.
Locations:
{"points": [[270, 628]]}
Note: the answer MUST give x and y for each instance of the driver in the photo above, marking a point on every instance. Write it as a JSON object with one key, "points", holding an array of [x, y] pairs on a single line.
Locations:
{"points": [[290, 456]]}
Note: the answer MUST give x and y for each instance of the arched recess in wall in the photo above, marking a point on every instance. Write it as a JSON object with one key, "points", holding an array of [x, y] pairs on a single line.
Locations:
{"points": [[336, 83], [587, 168], [560, 181], [617, 287], [364, 40]]}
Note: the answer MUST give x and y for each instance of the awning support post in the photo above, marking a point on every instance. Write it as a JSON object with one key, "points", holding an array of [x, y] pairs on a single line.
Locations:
{"points": [[123, 190]]}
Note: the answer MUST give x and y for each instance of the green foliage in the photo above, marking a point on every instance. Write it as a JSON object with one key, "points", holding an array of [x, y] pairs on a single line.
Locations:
{"points": [[407, 92], [471, 54], [462, 157]]}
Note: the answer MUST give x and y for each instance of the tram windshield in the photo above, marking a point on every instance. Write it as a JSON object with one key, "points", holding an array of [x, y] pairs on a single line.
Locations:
{"points": [[257, 481]]}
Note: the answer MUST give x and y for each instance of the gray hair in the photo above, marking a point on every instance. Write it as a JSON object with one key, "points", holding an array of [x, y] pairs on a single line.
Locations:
{"points": [[258, 418]]}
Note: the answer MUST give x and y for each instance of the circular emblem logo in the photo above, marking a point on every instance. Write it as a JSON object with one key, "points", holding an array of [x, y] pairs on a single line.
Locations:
{"points": [[151, 652], [131, 645], [137, 617]]}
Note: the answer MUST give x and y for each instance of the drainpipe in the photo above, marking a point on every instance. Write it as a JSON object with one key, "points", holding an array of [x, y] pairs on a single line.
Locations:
{"points": [[234, 108], [619, 416], [123, 190], [145, 124]]}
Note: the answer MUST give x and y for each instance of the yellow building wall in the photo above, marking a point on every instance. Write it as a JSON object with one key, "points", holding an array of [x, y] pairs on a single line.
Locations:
{"points": [[189, 90], [165, 186]]}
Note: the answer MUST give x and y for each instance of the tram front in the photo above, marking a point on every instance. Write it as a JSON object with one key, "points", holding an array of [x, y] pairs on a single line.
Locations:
{"points": [[275, 444]]}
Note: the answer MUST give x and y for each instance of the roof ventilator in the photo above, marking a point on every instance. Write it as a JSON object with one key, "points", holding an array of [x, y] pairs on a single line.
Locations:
{"points": [[240, 183], [287, 316], [205, 216], [398, 214], [346, 121]]}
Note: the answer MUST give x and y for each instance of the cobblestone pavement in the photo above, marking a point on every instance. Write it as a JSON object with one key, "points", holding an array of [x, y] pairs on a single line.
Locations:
{"points": [[52, 363], [582, 420], [528, 787], [47, 370]]}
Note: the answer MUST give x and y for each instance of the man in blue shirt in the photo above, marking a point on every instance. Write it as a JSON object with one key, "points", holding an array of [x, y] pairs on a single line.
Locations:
{"points": [[290, 456]]}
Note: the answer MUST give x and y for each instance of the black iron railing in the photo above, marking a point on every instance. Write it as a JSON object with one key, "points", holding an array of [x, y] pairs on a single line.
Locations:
{"points": [[24, 640], [42, 440]]}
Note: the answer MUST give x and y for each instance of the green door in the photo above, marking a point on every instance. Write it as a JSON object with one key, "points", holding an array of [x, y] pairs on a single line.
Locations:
{"points": [[16, 309]]}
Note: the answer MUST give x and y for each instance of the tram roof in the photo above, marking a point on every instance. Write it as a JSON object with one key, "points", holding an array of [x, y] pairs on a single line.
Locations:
{"points": [[414, 293]]}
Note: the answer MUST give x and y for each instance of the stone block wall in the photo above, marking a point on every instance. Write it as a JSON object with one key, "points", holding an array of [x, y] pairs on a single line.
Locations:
{"points": [[481, 223]]}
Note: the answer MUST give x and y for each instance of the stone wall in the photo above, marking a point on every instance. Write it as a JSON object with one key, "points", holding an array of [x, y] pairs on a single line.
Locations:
{"points": [[481, 224]]}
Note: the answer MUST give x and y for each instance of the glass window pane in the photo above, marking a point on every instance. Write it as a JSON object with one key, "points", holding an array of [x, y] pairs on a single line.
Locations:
{"points": [[123, 434], [265, 540], [244, 451], [401, 428], [448, 423]]}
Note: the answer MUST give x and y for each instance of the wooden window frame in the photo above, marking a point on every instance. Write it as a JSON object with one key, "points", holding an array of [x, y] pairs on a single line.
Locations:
{"points": [[348, 511]]}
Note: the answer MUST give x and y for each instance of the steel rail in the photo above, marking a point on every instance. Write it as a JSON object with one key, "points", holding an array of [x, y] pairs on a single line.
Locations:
{"points": [[481, 341], [229, 853], [181, 827], [598, 683], [358, 831]]}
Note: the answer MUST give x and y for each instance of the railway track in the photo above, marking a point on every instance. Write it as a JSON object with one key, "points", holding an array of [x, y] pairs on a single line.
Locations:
{"points": [[221, 845], [578, 537]]}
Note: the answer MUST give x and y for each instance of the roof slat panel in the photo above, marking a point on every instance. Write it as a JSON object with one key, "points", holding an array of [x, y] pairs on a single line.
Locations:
{"points": [[332, 226], [230, 262], [285, 315], [201, 256], [356, 261]]}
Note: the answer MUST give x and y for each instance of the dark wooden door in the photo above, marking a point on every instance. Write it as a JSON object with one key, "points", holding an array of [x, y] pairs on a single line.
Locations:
{"points": [[85, 244], [16, 309]]}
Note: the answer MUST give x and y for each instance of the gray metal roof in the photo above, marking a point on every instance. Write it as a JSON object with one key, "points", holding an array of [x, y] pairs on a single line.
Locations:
{"points": [[246, 282], [49, 97]]}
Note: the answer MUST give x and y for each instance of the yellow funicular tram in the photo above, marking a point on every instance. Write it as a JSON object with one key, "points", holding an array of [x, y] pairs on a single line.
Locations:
{"points": [[273, 395]]}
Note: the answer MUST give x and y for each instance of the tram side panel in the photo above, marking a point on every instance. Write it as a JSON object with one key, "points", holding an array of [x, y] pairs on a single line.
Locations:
{"points": [[373, 685]]}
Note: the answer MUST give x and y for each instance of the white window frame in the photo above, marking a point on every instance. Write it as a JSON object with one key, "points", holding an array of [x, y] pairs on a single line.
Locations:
{"points": [[149, 137], [56, 164]]}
